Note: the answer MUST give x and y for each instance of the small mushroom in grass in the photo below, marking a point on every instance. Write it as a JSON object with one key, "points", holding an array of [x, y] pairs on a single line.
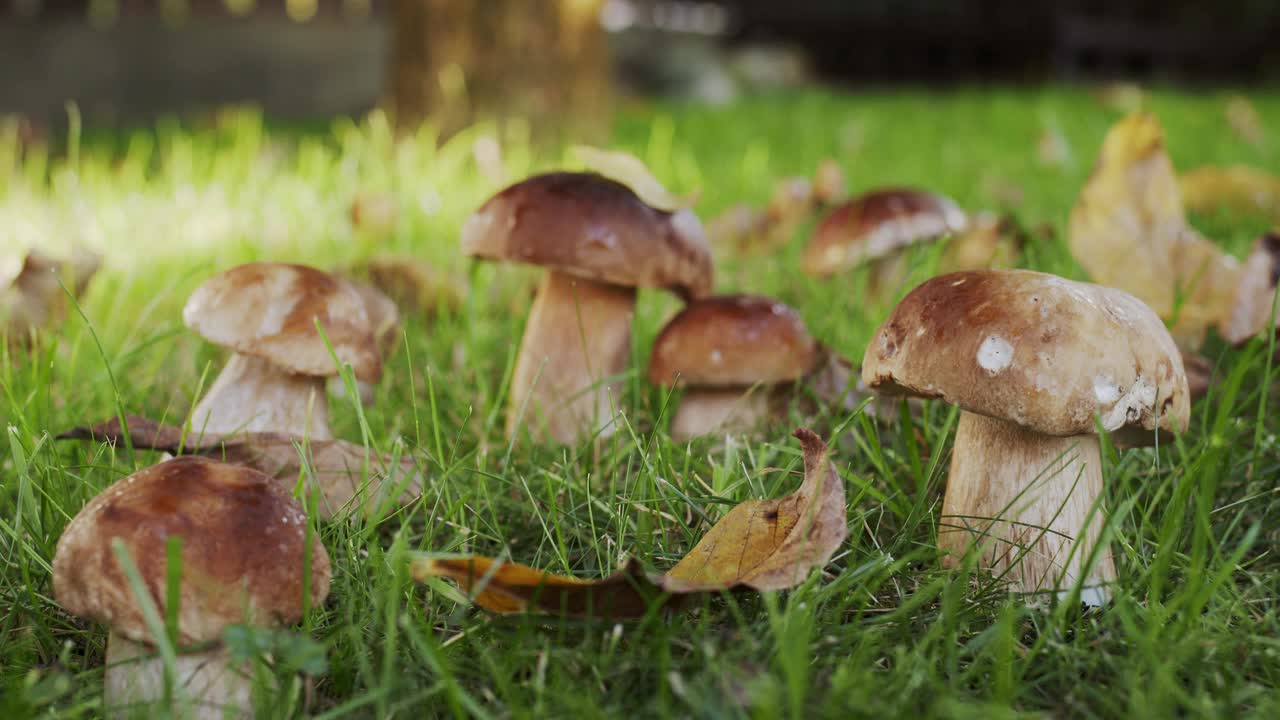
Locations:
{"points": [[244, 559], [828, 183], [31, 289], [730, 351], [1250, 312], [877, 227], [598, 242], [267, 313], [1035, 363]]}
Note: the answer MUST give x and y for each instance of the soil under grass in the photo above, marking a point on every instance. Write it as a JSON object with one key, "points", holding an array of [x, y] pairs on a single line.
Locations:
{"points": [[1193, 629]]}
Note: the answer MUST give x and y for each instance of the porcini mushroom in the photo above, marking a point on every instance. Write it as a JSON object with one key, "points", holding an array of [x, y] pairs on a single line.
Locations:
{"points": [[877, 227], [267, 314], [244, 559], [729, 351], [31, 289], [1036, 363], [599, 242], [384, 321]]}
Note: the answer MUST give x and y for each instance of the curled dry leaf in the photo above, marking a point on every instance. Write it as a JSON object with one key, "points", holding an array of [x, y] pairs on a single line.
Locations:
{"points": [[31, 294], [1236, 189], [336, 468], [632, 172], [1251, 312], [759, 545], [1129, 231]]}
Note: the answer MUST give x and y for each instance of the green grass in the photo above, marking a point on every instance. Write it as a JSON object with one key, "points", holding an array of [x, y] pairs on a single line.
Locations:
{"points": [[1194, 629]]}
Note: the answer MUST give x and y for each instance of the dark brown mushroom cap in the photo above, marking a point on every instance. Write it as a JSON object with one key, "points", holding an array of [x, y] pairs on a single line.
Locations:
{"points": [[243, 544], [269, 310], [732, 340], [587, 225], [877, 223], [1034, 349]]}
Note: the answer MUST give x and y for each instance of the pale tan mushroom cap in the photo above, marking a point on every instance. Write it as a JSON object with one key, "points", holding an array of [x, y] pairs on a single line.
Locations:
{"points": [[876, 224], [586, 225], [1038, 350], [269, 310], [243, 547], [730, 341]]}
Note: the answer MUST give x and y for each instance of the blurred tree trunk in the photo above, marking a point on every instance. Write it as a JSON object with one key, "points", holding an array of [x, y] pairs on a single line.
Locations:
{"points": [[458, 61]]}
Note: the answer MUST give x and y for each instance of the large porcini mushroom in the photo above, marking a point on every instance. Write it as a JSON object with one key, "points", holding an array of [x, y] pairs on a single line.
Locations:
{"points": [[244, 559], [1033, 361], [877, 227], [1250, 312], [599, 242], [729, 351], [267, 313]]}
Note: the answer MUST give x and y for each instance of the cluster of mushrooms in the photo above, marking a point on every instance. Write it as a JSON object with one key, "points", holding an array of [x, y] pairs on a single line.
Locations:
{"points": [[1037, 365]]}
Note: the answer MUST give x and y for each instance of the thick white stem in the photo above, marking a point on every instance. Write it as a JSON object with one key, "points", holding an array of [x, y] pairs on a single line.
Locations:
{"points": [[577, 336], [1026, 500], [205, 685], [735, 410], [253, 395]]}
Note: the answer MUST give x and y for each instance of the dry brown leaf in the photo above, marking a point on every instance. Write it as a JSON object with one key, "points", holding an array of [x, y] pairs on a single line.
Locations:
{"points": [[1129, 231], [759, 545], [31, 294], [1236, 189], [990, 241], [336, 468], [632, 172], [1251, 312], [1245, 121]]}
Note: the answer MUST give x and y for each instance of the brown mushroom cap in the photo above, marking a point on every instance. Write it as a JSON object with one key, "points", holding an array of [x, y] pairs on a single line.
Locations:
{"points": [[732, 340], [877, 223], [586, 225], [269, 310], [243, 546], [1034, 349]]}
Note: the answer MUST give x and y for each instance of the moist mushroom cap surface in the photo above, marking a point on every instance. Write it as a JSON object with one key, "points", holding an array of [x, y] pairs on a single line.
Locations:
{"points": [[269, 310], [1034, 349], [877, 223], [243, 549], [732, 340], [586, 225]]}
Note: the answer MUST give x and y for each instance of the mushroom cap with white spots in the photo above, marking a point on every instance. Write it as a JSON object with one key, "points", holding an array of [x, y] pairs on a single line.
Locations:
{"points": [[587, 225], [1034, 349], [877, 224], [243, 541], [731, 341], [270, 311]]}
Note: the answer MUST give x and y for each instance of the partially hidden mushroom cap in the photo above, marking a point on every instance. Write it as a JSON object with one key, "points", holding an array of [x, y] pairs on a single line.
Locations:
{"points": [[270, 311], [877, 223], [731, 341], [243, 551], [586, 225], [1034, 349]]}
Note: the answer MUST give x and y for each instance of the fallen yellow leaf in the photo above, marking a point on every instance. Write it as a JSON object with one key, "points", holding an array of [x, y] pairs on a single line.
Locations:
{"points": [[1245, 121], [1236, 189], [1129, 231], [759, 545], [1251, 312], [632, 172]]}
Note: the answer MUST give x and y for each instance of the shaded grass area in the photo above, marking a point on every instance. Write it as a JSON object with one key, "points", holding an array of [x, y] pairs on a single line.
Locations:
{"points": [[1193, 629]]}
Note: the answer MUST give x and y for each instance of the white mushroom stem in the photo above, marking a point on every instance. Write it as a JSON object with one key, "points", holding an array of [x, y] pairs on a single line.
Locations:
{"points": [[205, 685], [886, 276], [703, 412], [1026, 498], [577, 337], [253, 395]]}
